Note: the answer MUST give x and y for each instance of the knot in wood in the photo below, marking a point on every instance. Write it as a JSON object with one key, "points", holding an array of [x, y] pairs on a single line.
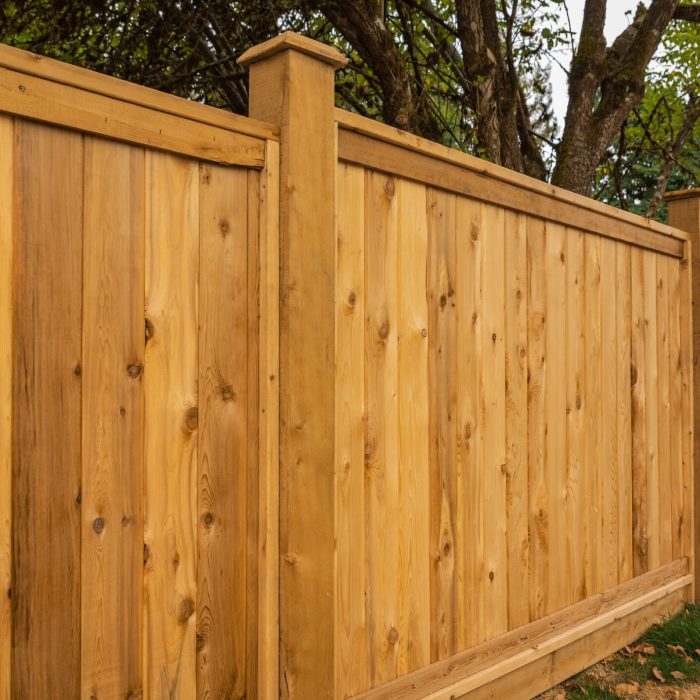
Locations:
{"points": [[134, 370], [393, 635], [191, 419], [98, 525], [185, 609]]}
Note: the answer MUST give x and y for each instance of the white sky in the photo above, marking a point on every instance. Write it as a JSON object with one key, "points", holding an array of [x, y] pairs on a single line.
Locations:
{"points": [[616, 21]]}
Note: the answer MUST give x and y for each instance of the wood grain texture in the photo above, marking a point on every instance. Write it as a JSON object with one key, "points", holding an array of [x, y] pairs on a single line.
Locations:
{"points": [[46, 412], [594, 470], [608, 475], [35, 98], [493, 411], [413, 443], [518, 541], [555, 415], [575, 414], [471, 582], [222, 437], [382, 426], [171, 420], [350, 521], [442, 382], [538, 517], [624, 414], [268, 432], [6, 221], [295, 92], [112, 418]]}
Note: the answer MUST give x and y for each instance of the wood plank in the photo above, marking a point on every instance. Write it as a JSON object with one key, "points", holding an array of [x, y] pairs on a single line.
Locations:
{"points": [[268, 440], [555, 417], [536, 367], [518, 540], [549, 632], [91, 81], [651, 372], [413, 413], [112, 419], [6, 277], [352, 122], [608, 471], [624, 413], [295, 91], [350, 623], [593, 501], [222, 437], [575, 414], [33, 98], [46, 412], [382, 427], [564, 661], [469, 560], [677, 487], [663, 352], [254, 465], [471, 182], [639, 450], [442, 387], [171, 420], [493, 412]]}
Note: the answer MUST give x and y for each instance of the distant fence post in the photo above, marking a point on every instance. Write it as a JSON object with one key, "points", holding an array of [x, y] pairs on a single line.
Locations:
{"points": [[684, 213], [292, 86]]}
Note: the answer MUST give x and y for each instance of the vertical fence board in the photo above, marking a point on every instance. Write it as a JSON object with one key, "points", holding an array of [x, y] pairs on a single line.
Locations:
{"points": [[555, 414], [470, 502], [350, 563], [6, 348], [518, 556], [593, 504], [381, 432], [112, 415], [537, 479], [651, 373], [575, 413], [414, 501], [493, 411], [223, 437], [676, 415], [268, 428], [664, 407], [46, 412], [624, 413], [608, 468], [639, 450], [442, 386], [170, 383]]}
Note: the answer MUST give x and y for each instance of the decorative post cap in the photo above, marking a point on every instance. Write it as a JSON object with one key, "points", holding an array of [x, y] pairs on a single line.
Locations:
{"points": [[295, 42], [682, 194]]}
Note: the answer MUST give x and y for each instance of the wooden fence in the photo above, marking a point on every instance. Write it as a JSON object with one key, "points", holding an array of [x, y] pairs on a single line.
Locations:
{"points": [[309, 407]]}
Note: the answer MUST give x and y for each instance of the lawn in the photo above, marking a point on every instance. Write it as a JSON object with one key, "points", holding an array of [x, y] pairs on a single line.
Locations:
{"points": [[664, 663]]}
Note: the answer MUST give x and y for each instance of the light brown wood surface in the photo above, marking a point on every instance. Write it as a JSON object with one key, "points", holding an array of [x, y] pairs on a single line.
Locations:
{"points": [[6, 213]]}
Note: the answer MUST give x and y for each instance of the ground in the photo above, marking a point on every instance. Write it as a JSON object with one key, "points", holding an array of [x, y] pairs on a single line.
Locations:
{"points": [[664, 663]]}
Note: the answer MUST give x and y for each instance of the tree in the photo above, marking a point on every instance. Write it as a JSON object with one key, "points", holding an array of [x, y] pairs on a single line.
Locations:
{"points": [[470, 73]]}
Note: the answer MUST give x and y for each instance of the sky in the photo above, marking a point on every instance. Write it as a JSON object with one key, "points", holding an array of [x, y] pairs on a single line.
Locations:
{"points": [[616, 21]]}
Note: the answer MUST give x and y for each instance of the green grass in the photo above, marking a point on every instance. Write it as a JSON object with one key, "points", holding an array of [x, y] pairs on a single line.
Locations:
{"points": [[682, 630], [633, 665]]}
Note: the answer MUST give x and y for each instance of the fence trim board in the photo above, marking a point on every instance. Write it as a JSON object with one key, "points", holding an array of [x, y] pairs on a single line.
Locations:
{"points": [[383, 156], [62, 105], [97, 83], [485, 662]]}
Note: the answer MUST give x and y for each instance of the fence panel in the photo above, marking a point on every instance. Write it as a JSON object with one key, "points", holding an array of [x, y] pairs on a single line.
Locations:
{"points": [[134, 558]]}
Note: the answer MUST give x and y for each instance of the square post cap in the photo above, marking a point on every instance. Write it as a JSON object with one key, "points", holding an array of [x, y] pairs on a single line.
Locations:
{"points": [[682, 194], [291, 41]]}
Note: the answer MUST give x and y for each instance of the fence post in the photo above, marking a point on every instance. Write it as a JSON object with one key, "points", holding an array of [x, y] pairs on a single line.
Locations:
{"points": [[292, 85], [684, 213]]}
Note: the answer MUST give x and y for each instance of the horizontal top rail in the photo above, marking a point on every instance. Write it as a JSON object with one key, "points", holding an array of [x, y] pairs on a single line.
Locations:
{"points": [[108, 86], [413, 157]]}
